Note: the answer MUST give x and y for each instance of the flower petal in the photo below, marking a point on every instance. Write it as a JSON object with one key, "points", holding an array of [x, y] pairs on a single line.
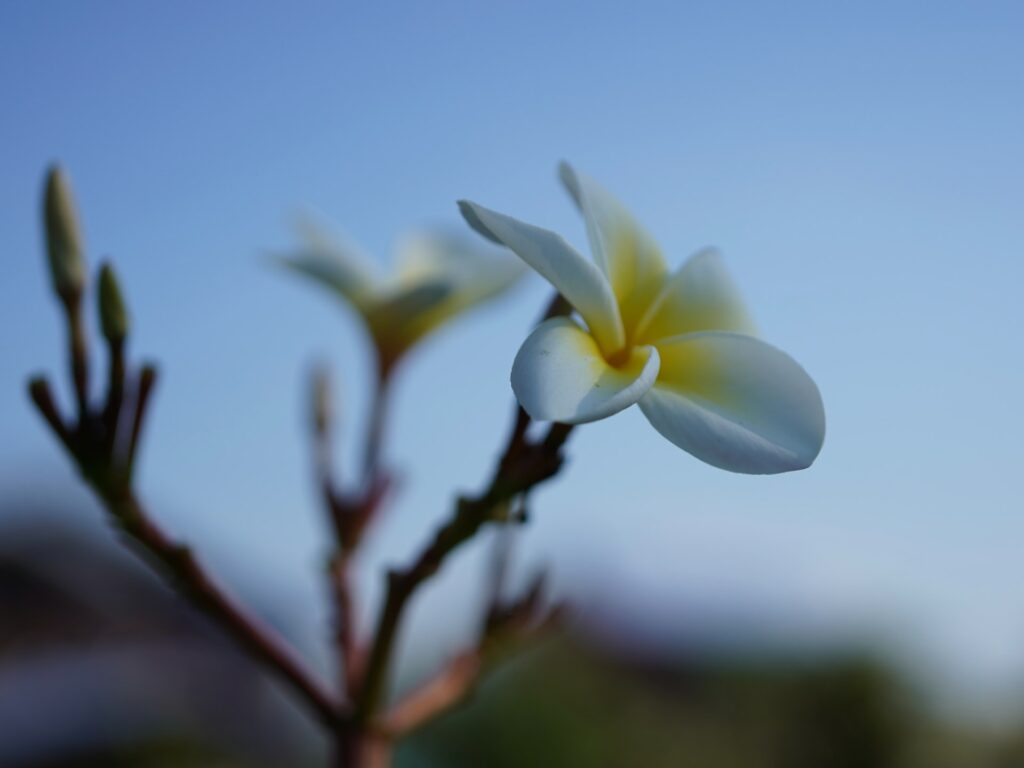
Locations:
{"points": [[736, 403], [439, 276], [476, 273], [628, 256], [700, 296], [334, 263], [560, 375], [578, 280], [395, 318]]}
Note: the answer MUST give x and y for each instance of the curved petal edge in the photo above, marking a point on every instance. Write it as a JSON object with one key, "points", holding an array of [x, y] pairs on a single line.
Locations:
{"points": [[559, 374], [737, 403], [579, 280]]}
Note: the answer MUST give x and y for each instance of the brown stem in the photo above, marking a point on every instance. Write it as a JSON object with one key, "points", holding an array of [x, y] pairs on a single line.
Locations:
{"points": [[339, 567], [505, 624], [177, 562], [358, 748], [41, 394], [376, 429], [348, 516], [437, 696], [143, 392], [522, 466], [174, 560], [346, 637], [78, 353], [115, 391]]}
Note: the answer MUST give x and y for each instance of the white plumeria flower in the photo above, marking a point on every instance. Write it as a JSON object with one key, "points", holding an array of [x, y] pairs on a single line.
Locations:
{"points": [[438, 276], [680, 344]]}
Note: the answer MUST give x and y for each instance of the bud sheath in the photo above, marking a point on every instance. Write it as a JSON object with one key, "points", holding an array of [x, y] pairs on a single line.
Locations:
{"points": [[63, 237], [113, 312]]}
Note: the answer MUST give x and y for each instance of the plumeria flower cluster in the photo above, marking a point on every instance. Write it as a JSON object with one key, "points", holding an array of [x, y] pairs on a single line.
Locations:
{"points": [[438, 276], [679, 344]]}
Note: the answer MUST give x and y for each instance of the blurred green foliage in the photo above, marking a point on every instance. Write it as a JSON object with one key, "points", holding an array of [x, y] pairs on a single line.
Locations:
{"points": [[574, 704]]}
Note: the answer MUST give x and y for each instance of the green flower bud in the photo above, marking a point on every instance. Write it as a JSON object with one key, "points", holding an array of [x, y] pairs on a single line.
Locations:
{"points": [[63, 237], [113, 312]]}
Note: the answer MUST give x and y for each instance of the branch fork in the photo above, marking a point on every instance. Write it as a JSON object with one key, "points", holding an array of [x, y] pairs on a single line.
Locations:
{"points": [[103, 441]]}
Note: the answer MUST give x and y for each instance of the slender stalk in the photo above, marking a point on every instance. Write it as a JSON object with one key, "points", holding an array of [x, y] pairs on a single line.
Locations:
{"points": [[522, 466], [177, 562], [78, 353], [346, 637], [437, 696], [109, 475], [376, 428], [143, 391], [42, 396], [349, 514], [115, 392], [338, 513]]}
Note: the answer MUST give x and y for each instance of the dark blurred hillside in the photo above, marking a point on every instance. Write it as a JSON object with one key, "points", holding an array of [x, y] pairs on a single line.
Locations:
{"points": [[101, 665]]}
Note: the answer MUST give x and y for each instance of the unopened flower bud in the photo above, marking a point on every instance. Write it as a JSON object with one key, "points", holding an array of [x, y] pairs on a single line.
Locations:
{"points": [[113, 312], [63, 237]]}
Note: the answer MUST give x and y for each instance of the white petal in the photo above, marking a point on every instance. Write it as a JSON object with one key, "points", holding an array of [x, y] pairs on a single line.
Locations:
{"points": [[578, 280], [474, 270], [736, 403], [333, 262], [627, 254], [397, 317], [439, 277], [560, 375], [700, 296]]}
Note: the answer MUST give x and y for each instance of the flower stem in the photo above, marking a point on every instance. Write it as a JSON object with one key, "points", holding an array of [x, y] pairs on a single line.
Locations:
{"points": [[522, 465]]}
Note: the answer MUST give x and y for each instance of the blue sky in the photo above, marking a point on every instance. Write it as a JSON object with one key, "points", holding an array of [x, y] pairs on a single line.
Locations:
{"points": [[861, 166]]}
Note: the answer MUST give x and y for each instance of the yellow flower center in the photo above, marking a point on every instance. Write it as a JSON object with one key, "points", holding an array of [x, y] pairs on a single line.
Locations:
{"points": [[621, 358]]}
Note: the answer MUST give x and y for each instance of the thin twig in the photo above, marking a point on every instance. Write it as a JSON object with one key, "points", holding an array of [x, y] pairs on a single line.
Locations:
{"points": [[521, 466], [107, 477], [115, 390], [507, 625], [348, 517], [78, 354], [42, 396], [184, 570], [438, 695], [143, 391], [346, 636], [376, 429]]}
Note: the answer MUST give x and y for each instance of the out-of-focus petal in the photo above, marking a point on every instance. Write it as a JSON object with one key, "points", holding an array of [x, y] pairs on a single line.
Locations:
{"points": [[577, 279], [628, 255], [334, 263], [398, 319], [476, 273], [700, 296], [736, 403], [439, 277], [560, 375]]}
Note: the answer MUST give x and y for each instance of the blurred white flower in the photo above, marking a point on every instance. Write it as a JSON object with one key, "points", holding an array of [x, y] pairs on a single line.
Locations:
{"points": [[680, 344], [438, 276]]}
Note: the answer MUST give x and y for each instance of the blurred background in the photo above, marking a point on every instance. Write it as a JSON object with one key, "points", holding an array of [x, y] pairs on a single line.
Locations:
{"points": [[861, 167]]}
